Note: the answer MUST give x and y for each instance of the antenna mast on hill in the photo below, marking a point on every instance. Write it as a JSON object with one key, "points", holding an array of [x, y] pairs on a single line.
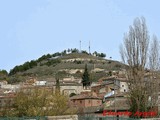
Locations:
{"points": [[89, 48], [80, 46]]}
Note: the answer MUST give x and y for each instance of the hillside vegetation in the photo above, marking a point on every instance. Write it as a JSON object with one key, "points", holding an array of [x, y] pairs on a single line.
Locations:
{"points": [[67, 63]]}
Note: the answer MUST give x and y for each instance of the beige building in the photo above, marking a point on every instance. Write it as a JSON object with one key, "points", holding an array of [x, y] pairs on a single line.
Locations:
{"points": [[67, 89]]}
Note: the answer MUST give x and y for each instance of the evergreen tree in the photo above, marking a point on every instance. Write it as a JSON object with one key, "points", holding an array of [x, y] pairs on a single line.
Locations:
{"points": [[57, 86], [85, 78]]}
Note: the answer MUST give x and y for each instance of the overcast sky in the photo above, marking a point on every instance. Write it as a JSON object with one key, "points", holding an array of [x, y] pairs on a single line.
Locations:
{"points": [[32, 28]]}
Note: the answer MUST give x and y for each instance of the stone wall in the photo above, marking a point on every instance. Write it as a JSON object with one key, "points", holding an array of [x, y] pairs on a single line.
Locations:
{"points": [[151, 119], [64, 117]]}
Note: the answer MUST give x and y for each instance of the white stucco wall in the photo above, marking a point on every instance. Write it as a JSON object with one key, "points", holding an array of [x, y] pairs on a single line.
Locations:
{"points": [[68, 89], [123, 86]]}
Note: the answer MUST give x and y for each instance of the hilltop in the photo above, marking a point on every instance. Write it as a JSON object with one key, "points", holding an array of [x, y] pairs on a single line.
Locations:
{"points": [[66, 64]]}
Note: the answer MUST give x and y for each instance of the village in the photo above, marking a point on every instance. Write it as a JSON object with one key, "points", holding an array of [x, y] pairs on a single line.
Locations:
{"points": [[107, 94], [92, 100], [79, 60]]}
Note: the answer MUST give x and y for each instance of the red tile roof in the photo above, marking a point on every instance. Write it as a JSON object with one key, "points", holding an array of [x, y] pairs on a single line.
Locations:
{"points": [[84, 96]]}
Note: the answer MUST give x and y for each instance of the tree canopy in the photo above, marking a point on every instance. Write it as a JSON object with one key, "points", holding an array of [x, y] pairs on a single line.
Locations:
{"points": [[39, 102]]}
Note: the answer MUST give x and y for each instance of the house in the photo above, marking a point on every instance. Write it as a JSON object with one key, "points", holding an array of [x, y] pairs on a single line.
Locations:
{"points": [[106, 86], [85, 100], [40, 83], [118, 102], [10, 88], [119, 84], [86, 103], [98, 89], [68, 88]]}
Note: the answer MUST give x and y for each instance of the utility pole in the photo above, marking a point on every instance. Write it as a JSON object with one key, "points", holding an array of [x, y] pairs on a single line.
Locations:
{"points": [[114, 95], [115, 110]]}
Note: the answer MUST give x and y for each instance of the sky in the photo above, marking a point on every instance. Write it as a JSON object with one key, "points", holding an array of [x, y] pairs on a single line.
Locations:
{"points": [[32, 28]]}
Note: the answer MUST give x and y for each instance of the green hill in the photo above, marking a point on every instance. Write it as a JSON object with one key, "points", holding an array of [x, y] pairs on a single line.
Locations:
{"points": [[65, 65]]}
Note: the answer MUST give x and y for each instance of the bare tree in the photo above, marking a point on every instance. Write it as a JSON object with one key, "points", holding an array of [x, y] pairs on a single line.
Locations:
{"points": [[154, 55], [154, 59], [134, 53]]}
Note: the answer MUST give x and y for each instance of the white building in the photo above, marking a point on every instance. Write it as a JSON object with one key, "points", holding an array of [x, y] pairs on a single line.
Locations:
{"points": [[10, 88], [39, 83]]}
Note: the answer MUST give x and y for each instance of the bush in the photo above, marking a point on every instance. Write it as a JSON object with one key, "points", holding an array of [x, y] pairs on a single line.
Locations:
{"points": [[39, 102]]}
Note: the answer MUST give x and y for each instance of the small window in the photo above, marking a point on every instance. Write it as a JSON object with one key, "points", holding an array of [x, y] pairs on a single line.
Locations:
{"points": [[122, 85], [124, 90], [80, 101]]}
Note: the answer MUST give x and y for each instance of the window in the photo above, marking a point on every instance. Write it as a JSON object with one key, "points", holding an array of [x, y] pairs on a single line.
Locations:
{"points": [[124, 90], [80, 101], [122, 85]]}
